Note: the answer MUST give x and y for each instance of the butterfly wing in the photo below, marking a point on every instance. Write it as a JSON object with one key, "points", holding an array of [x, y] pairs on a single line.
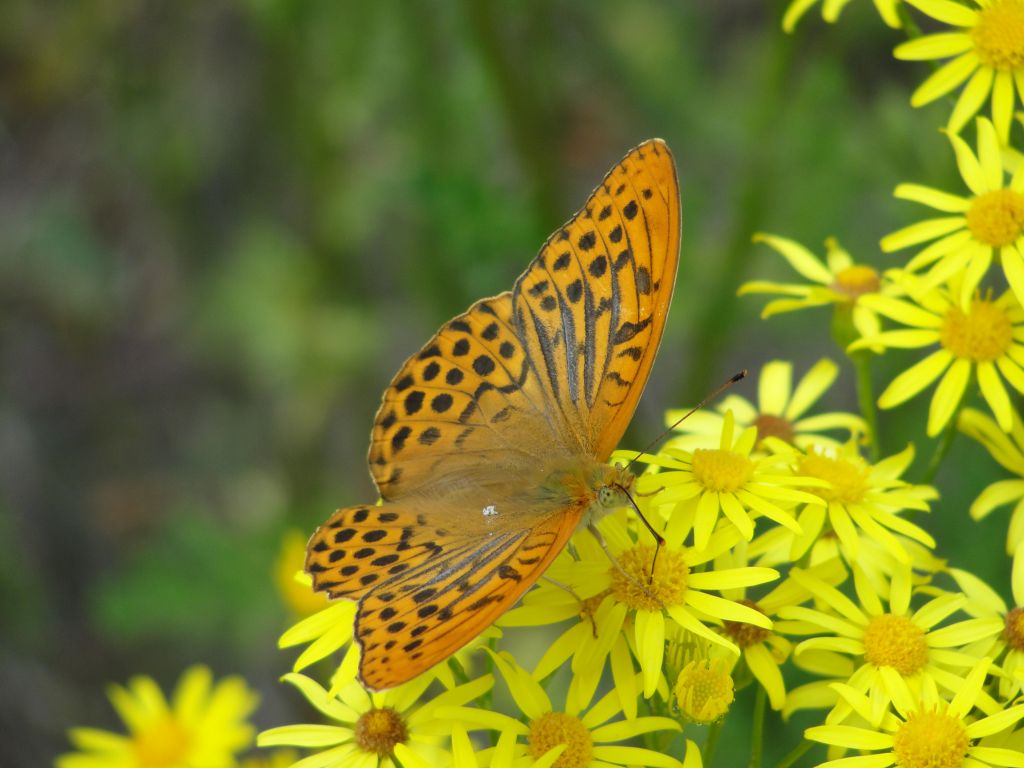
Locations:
{"points": [[590, 310], [477, 418], [468, 399], [425, 590]]}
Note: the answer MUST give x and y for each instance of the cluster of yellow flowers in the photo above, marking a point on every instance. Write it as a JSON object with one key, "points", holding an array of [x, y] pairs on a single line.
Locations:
{"points": [[791, 546]]}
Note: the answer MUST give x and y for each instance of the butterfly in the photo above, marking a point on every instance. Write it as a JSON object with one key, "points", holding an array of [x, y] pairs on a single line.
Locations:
{"points": [[489, 449]]}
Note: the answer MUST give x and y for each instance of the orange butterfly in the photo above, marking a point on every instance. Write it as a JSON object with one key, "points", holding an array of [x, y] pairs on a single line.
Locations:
{"points": [[490, 445]]}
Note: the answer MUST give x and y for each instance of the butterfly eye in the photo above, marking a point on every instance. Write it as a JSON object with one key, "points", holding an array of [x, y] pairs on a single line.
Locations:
{"points": [[607, 497]]}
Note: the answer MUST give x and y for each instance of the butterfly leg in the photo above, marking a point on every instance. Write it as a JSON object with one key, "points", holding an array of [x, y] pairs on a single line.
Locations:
{"points": [[655, 492], [604, 545], [579, 599], [564, 586], [657, 536]]}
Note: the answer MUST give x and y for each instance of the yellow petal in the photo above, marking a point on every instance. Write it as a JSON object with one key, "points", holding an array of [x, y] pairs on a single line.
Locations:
{"points": [[811, 387], [915, 379], [951, 13], [774, 387], [938, 46], [1002, 105], [995, 395], [945, 79], [764, 668], [971, 98], [990, 156], [1013, 268], [921, 232], [938, 249], [970, 168], [801, 259], [948, 395], [794, 11], [854, 738], [934, 198], [996, 495]]}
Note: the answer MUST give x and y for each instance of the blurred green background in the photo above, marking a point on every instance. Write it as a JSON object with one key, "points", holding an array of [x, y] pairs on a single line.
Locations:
{"points": [[224, 224]]}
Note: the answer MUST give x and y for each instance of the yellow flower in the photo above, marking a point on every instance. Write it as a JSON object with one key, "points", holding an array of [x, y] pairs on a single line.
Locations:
{"points": [[575, 588], [204, 726], [897, 643], [1006, 447], [765, 650], [780, 411], [386, 729], [985, 225], [927, 732], [694, 488], [635, 600], [295, 587], [576, 736], [775, 548], [841, 283], [1005, 625], [981, 340], [704, 689], [987, 51], [859, 495], [831, 9]]}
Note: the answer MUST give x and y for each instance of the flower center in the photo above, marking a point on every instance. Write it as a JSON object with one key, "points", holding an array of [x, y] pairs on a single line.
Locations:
{"points": [[999, 35], [162, 744], [1013, 632], [720, 470], [743, 634], [897, 642], [996, 218], [554, 728], [633, 584], [704, 690], [930, 740], [983, 334], [379, 730], [773, 426], [855, 281], [849, 481]]}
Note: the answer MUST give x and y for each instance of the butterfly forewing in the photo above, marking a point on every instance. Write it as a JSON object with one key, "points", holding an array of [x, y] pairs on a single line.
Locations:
{"points": [[468, 397], [591, 308]]}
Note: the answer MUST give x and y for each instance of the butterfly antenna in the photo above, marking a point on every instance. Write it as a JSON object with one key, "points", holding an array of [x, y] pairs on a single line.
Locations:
{"points": [[657, 536], [719, 390]]}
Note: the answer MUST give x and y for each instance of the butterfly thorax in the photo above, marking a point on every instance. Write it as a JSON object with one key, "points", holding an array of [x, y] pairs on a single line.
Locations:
{"points": [[594, 486]]}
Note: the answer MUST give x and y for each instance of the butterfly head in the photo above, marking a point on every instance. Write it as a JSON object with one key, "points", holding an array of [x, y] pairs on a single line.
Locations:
{"points": [[613, 490]]}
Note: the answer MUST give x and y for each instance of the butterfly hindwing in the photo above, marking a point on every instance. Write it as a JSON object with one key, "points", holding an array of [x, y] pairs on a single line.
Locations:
{"points": [[360, 547], [418, 619], [590, 310]]}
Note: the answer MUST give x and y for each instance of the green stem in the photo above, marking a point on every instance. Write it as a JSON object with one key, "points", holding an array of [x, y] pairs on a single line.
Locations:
{"points": [[946, 440], [844, 333], [866, 400], [910, 27], [707, 753], [757, 729], [795, 754]]}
